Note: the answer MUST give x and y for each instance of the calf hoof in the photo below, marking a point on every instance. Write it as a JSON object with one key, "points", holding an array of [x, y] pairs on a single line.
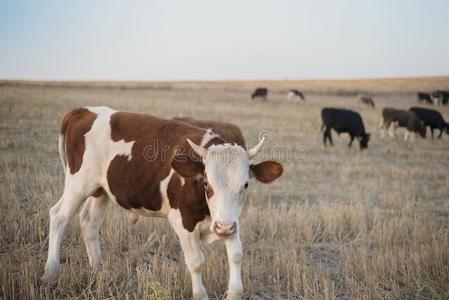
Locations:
{"points": [[234, 296], [200, 296], [49, 277], [50, 274]]}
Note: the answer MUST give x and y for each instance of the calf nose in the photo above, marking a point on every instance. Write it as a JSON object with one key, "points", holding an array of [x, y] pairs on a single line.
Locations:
{"points": [[224, 228]]}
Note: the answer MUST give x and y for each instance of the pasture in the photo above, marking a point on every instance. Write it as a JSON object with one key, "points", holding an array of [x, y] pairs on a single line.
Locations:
{"points": [[339, 224]]}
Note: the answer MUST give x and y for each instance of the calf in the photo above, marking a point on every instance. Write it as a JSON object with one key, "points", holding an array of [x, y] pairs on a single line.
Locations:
{"points": [[295, 94], [424, 98], [160, 168], [343, 120], [260, 92], [431, 118], [393, 118], [365, 100]]}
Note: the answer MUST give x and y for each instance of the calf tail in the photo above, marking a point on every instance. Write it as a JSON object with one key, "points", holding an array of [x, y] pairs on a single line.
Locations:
{"points": [[321, 129], [133, 218], [63, 134], [72, 115]]}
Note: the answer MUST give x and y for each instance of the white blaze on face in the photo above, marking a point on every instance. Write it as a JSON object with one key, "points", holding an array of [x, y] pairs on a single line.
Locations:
{"points": [[227, 172]]}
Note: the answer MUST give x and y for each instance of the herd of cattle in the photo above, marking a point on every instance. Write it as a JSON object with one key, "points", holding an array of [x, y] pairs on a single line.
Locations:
{"points": [[194, 173], [262, 93], [436, 98], [415, 120]]}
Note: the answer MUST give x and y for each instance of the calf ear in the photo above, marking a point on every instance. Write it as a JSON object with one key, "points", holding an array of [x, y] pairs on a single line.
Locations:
{"points": [[267, 171], [185, 166]]}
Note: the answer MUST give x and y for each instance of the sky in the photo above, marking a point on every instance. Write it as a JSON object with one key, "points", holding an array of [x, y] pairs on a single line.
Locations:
{"points": [[222, 40]]}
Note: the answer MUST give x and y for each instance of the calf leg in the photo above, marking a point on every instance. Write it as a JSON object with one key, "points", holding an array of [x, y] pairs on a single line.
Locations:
{"points": [[91, 217], [391, 129], [60, 216], [351, 140], [235, 254], [431, 132], [327, 135], [441, 132], [190, 244], [381, 127], [324, 138], [407, 134]]}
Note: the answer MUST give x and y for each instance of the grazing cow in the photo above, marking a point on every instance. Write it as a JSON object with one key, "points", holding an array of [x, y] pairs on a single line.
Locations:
{"points": [[365, 100], [392, 118], [431, 118], [260, 92], [155, 167], [440, 97], [424, 98], [295, 93], [343, 120]]}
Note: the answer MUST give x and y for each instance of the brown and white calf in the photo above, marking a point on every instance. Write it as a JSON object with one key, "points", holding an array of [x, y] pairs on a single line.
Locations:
{"points": [[154, 167]]}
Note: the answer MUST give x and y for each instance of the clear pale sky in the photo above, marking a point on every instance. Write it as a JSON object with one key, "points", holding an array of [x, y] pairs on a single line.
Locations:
{"points": [[207, 39]]}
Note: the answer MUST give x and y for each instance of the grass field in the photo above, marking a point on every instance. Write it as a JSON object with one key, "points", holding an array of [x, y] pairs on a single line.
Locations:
{"points": [[339, 224]]}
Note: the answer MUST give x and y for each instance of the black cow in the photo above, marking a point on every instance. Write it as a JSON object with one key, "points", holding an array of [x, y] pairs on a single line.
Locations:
{"points": [[343, 120], [392, 118], [424, 98], [431, 118], [260, 92], [295, 93], [442, 97]]}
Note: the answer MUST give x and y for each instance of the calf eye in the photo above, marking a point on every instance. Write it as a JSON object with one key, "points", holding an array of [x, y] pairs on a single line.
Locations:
{"points": [[246, 185], [208, 189]]}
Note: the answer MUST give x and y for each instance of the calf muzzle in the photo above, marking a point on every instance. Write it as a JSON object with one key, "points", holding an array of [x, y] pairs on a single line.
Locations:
{"points": [[225, 228]]}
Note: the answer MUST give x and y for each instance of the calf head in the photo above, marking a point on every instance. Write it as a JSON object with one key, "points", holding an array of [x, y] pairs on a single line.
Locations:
{"points": [[364, 141], [421, 129], [225, 171]]}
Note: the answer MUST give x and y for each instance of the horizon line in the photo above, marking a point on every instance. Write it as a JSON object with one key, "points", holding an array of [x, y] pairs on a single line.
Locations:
{"points": [[221, 80]]}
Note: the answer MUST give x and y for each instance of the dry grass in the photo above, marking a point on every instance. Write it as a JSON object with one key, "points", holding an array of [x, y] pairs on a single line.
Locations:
{"points": [[339, 224]]}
